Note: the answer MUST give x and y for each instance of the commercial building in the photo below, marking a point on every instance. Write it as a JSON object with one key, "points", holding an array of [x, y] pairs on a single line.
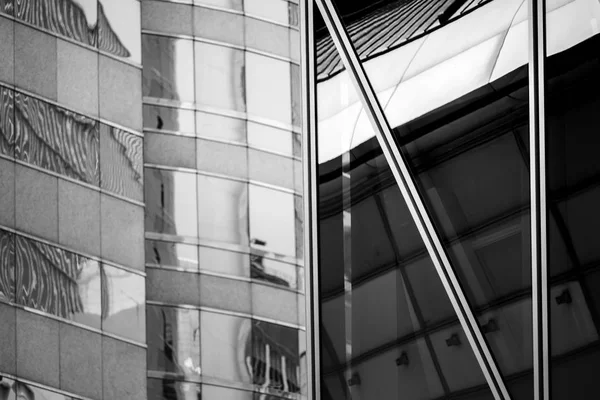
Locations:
{"points": [[323, 199]]}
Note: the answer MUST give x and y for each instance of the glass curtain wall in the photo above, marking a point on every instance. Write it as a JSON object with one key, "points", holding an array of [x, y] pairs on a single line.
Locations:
{"points": [[452, 79]]}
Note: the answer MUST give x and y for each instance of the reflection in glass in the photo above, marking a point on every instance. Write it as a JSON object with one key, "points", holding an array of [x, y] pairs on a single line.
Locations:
{"points": [[573, 172], [7, 6], [169, 119], [272, 221], [220, 127], [123, 300], [222, 210], [219, 76], [225, 340], [7, 121], [7, 266], [264, 98], [168, 68], [273, 356], [119, 28], [273, 10], [231, 4], [56, 139], [274, 272], [57, 282], [24, 391], [224, 261], [121, 162], [170, 202], [269, 138], [167, 389], [174, 341], [170, 254]]}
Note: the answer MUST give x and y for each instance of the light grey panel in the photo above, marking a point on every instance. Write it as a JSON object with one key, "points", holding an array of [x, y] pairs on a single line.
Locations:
{"points": [[219, 25], [225, 294], [36, 202], [173, 287], [222, 158], [37, 348], [35, 61], [77, 77], [80, 361], [224, 393], [8, 333], [269, 302], [7, 49], [122, 232], [79, 217], [171, 150], [120, 93], [7, 193], [267, 37], [123, 370], [165, 17], [271, 168], [298, 182]]}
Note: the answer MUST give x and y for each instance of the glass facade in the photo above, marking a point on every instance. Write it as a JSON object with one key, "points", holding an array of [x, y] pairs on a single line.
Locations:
{"points": [[453, 144]]}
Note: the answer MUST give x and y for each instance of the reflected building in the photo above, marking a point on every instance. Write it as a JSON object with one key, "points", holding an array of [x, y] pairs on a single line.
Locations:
{"points": [[150, 200]]}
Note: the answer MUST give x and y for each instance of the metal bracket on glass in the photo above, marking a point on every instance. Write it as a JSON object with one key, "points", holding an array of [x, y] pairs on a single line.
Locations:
{"points": [[414, 202]]}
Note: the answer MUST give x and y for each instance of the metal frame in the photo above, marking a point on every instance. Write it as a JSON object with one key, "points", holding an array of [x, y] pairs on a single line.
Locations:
{"points": [[539, 211], [415, 204], [310, 175]]}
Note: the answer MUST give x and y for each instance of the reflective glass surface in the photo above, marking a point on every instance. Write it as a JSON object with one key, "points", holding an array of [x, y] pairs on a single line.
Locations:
{"points": [[123, 297], [119, 28], [272, 220], [169, 119], [269, 138], [170, 202], [222, 210], [57, 282], [167, 389], [220, 127], [170, 254], [219, 76], [168, 68], [23, 390], [388, 329], [7, 260], [572, 101], [224, 261], [174, 341]]}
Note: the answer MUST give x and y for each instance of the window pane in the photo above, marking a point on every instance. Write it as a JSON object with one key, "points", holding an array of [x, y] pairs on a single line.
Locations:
{"points": [[220, 127], [224, 261], [269, 138], [7, 261], [222, 210], [265, 99], [272, 221], [169, 119], [119, 28], [168, 68], [171, 202], [169, 254], [124, 296], [166, 389], [219, 76], [274, 10], [174, 341]]}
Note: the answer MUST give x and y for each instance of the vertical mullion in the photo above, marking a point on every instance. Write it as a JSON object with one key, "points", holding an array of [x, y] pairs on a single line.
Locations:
{"points": [[309, 164], [539, 214], [414, 202]]}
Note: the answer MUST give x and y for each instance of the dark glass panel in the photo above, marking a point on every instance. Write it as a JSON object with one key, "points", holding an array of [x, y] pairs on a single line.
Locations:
{"points": [[56, 139], [168, 68], [7, 266], [573, 171], [7, 6], [123, 301], [77, 20], [170, 254], [174, 341], [167, 389], [121, 162], [55, 281]]}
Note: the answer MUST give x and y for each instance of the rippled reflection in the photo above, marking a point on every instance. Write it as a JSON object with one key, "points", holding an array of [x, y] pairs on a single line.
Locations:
{"points": [[7, 266], [56, 139], [122, 162], [57, 282], [7, 122]]}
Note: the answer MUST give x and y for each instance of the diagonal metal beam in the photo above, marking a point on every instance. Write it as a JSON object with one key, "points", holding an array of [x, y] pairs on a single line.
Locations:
{"points": [[415, 203], [539, 211]]}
